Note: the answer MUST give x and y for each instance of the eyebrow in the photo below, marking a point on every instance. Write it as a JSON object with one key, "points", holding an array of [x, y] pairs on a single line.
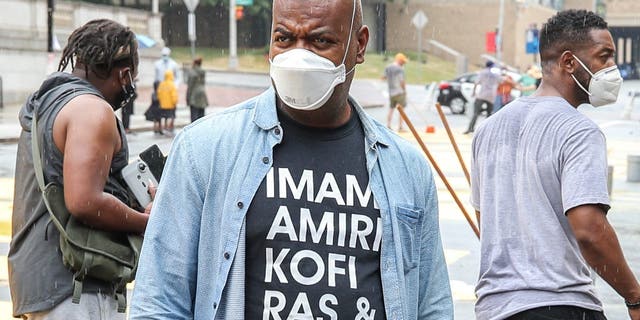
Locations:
{"points": [[315, 33], [282, 30], [607, 50]]}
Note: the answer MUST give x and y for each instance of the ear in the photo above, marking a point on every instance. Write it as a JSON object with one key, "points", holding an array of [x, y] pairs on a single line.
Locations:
{"points": [[363, 39], [567, 62], [123, 75]]}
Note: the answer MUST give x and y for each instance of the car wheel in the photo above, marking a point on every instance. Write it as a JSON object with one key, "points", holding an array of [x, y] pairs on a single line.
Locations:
{"points": [[457, 105]]}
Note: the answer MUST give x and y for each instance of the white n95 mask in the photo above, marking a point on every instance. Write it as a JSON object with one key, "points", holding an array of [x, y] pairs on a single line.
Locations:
{"points": [[603, 86], [305, 80]]}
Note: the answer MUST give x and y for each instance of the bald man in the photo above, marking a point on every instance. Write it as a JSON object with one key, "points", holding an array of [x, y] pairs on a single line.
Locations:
{"points": [[296, 204]]}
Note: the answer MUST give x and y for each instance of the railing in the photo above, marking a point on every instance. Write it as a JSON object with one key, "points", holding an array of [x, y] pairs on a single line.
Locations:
{"points": [[460, 59]]}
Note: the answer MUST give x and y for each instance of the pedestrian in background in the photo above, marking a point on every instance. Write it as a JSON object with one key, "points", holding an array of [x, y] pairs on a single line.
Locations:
{"points": [[154, 113], [166, 63], [394, 74], [296, 204], [168, 100], [84, 147], [196, 91], [539, 186], [529, 81], [503, 95], [488, 82]]}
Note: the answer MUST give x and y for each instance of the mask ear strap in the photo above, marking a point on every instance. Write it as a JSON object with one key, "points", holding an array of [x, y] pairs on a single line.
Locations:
{"points": [[581, 86], [133, 85], [353, 16], [271, 40], [582, 64]]}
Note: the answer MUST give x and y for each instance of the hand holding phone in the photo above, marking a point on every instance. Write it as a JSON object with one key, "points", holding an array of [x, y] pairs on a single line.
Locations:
{"points": [[139, 178]]}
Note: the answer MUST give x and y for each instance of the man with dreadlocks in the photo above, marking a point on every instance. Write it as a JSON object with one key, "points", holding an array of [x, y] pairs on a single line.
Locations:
{"points": [[539, 185], [84, 147]]}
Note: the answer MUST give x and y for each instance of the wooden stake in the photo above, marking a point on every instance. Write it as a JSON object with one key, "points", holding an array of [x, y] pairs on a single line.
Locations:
{"points": [[453, 141], [437, 168]]}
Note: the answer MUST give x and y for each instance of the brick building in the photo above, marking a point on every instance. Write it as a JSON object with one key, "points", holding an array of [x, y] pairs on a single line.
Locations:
{"points": [[463, 25]]}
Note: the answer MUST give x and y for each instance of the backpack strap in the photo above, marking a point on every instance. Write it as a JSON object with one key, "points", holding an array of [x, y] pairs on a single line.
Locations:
{"points": [[78, 277]]}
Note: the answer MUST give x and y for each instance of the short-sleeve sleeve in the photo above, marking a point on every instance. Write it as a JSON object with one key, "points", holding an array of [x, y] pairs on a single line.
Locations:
{"points": [[584, 170]]}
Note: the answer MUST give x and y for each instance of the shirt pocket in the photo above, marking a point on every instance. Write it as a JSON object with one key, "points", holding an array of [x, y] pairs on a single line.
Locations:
{"points": [[409, 227]]}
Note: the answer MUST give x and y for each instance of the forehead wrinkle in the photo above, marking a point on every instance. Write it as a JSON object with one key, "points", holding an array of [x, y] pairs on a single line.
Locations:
{"points": [[311, 14]]}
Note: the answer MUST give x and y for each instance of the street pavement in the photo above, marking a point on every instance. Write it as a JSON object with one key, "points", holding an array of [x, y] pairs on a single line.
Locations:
{"points": [[461, 245]]}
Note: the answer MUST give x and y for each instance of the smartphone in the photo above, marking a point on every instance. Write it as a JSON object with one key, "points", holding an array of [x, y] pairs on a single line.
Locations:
{"points": [[138, 176], [154, 158]]}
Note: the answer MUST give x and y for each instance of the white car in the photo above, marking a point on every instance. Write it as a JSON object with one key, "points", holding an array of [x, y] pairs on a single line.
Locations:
{"points": [[467, 81]]}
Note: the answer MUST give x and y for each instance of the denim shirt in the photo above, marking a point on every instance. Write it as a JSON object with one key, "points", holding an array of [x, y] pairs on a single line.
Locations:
{"points": [[192, 262]]}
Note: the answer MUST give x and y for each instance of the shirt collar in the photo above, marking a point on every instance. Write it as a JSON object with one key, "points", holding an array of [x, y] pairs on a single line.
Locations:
{"points": [[266, 117]]}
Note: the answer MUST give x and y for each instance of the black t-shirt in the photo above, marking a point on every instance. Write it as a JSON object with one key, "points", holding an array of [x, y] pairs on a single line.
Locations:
{"points": [[314, 230]]}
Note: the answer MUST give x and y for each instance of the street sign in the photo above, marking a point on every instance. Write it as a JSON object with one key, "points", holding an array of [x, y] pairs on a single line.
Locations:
{"points": [[244, 2], [532, 41], [420, 20], [191, 4]]}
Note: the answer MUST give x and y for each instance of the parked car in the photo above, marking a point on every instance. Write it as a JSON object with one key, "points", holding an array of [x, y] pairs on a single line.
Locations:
{"points": [[457, 92], [450, 95]]}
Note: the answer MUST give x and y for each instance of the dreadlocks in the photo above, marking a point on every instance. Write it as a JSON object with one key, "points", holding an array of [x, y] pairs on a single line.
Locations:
{"points": [[100, 45]]}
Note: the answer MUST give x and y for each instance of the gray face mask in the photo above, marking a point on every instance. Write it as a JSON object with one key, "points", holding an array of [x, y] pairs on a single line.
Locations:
{"points": [[603, 86]]}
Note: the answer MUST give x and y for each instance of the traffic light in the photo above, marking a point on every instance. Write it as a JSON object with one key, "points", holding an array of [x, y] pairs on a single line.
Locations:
{"points": [[239, 12]]}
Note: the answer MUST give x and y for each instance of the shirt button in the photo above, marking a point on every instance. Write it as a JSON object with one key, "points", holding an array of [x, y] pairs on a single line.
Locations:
{"points": [[240, 204], [226, 255], [215, 305], [277, 131], [265, 160]]}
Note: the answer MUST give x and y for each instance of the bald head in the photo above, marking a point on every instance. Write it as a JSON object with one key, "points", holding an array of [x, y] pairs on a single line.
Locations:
{"points": [[330, 29], [343, 8]]}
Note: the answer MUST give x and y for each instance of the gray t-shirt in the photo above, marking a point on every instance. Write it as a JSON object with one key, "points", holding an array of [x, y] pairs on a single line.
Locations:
{"points": [[532, 162], [395, 75], [488, 82]]}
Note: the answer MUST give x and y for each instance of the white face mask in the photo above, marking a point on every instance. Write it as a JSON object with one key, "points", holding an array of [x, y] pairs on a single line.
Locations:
{"points": [[603, 86], [305, 80]]}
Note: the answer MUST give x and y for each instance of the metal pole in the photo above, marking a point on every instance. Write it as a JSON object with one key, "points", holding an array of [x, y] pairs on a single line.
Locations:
{"points": [[500, 28], [419, 45], [191, 22], [50, 5], [233, 36]]}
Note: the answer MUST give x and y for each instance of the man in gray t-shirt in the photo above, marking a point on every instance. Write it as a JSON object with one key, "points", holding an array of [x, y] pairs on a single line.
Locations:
{"points": [[488, 82], [538, 175], [394, 74]]}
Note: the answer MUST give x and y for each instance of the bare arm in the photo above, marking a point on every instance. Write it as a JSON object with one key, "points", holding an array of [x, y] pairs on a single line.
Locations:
{"points": [[86, 133], [600, 248]]}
